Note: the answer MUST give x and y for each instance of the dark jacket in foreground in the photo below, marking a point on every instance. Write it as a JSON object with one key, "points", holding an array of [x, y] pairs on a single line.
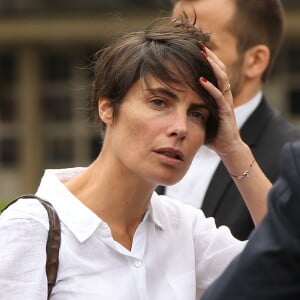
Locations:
{"points": [[269, 266]]}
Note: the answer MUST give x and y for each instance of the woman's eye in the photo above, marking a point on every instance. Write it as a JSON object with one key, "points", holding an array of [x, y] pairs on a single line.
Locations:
{"points": [[158, 102], [197, 115]]}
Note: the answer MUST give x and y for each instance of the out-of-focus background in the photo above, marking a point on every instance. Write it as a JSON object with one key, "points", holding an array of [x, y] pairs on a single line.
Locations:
{"points": [[46, 47]]}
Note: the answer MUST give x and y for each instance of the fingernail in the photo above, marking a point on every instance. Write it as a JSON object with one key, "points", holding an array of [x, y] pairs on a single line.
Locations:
{"points": [[203, 79], [204, 53]]}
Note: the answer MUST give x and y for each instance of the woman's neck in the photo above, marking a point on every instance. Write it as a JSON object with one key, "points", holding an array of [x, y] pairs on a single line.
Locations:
{"points": [[119, 199]]}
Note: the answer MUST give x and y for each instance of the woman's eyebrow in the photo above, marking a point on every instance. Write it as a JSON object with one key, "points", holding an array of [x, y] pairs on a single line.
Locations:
{"points": [[163, 91], [167, 92]]}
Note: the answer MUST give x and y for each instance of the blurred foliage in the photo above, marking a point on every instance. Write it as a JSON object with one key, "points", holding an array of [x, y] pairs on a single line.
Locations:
{"points": [[3, 203]]}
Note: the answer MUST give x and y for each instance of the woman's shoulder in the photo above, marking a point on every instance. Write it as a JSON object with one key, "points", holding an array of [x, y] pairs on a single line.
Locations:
{"points": [[26, 210]]}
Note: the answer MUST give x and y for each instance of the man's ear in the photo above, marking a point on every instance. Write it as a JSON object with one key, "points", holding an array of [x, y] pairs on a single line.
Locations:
{"points": [[256, 61], [105, 110]]}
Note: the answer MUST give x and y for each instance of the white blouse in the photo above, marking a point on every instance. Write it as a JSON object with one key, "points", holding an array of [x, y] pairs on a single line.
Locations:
{"points": [[176, 251]]}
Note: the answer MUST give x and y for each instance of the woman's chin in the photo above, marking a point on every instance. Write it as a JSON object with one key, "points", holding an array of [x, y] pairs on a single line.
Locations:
{"points": [[169, 181]]}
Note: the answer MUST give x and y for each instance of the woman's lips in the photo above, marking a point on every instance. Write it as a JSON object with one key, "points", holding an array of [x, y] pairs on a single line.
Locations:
{"points": [[170, 156]]}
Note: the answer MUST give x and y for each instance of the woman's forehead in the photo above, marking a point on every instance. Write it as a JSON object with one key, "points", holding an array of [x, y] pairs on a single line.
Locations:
{"points": [[172, 77], [156, 86]]}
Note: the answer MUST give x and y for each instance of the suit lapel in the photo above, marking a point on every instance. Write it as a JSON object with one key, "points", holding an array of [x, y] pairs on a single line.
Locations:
{"points": [[254, 126], [216, 188], [221, 180]]}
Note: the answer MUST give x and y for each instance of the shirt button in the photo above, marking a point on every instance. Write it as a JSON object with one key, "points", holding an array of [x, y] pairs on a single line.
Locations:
{"points": [[137, 263]]}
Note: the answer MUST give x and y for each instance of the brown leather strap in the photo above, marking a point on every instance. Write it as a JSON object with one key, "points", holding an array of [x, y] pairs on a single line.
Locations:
{"points": [[53, 241], [53, 244]]}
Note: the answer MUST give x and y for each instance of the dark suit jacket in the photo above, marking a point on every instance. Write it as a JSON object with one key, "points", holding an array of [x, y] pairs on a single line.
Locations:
{"points": [[269, 266], [265, 132]]}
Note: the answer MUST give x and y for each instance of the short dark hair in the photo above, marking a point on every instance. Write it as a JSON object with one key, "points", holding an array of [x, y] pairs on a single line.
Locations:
{"points": [[165, 44], [258, 22]]}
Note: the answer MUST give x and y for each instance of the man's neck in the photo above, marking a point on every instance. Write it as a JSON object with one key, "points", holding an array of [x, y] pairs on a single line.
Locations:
{"points": [[247, 93]]}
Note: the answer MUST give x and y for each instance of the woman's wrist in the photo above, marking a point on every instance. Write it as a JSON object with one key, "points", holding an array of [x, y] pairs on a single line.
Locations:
{"points": [[245, 174], [234, 150], [239, 160]]}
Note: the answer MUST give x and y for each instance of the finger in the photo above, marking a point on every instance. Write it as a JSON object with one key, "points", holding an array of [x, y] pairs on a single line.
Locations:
{"points": [[215, 58], [220, 97], [227, 89], [221, 75], [220, 72]]}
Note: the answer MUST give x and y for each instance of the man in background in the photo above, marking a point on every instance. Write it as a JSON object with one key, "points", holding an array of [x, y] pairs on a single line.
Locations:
{"points": [[246, 35]]}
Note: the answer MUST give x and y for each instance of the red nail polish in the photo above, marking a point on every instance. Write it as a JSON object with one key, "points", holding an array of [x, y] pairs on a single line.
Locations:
{"points": [[204, 53], [203, 79]]}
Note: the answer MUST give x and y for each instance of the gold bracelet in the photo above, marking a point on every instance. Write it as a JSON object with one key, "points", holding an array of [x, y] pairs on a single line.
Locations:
{"points": [[245, 174]]}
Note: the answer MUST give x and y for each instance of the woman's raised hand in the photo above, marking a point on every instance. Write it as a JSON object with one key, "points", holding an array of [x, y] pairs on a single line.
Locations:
{"points": [[228, 139]]}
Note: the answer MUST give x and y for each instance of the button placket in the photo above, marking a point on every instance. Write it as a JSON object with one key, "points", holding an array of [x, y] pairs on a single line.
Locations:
{"points": [[137, 263]]}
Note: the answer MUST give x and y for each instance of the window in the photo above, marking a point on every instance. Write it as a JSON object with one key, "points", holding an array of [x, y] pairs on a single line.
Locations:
{"points": [[7, 67], [56, 66], [7, 78], [95, 147], [57, 108], [8, 152], [59, 150], [7, 107]]}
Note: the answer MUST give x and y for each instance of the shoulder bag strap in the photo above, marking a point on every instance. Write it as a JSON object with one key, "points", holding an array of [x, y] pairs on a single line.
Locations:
{"points": [[53, 241]]}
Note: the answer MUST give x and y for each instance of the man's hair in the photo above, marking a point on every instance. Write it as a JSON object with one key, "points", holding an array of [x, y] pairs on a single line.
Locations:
{"points": [[169, 50], [258, 22]]}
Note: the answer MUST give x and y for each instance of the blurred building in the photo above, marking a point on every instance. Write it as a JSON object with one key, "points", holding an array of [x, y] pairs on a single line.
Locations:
{"points": [[46, 49]]}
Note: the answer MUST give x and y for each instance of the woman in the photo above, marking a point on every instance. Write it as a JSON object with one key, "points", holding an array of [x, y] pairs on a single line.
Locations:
{"points": [[159, 94]]}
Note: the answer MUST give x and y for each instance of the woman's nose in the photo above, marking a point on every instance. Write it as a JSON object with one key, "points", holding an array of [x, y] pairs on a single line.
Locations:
{"points": [[178, 127]]}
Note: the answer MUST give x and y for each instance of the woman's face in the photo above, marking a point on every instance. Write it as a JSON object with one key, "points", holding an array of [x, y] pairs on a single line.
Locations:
{"points": [[157, 131]]}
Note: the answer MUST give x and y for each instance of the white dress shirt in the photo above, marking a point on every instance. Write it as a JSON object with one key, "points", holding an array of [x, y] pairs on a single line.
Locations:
{"points": [[192, 188], [176, 251]]}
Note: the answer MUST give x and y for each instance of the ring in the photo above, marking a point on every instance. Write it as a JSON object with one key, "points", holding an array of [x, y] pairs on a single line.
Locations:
{"points": [[227, 89]]}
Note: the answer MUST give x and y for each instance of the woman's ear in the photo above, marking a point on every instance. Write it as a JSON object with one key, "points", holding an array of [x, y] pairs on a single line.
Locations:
{"points": [[105, 110], [256, 61]]}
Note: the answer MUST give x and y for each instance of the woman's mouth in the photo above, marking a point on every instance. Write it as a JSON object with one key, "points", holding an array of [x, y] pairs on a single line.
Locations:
{"points": [[170, 156]]}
